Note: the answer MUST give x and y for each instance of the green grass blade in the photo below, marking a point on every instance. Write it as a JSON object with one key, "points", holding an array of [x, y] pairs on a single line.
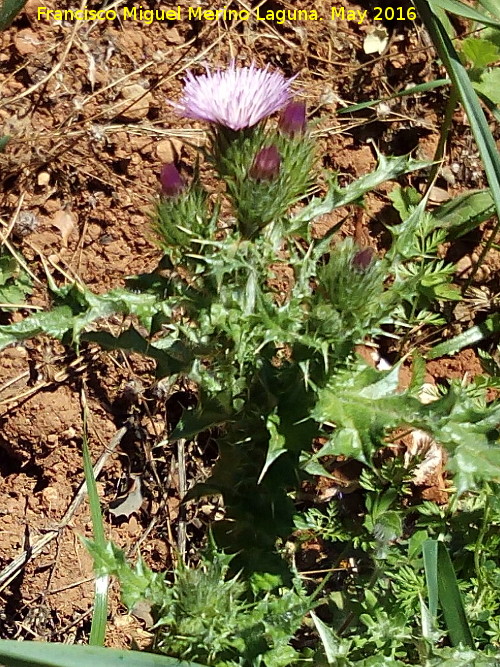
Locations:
{"points": [[470, 337], [442, 584], [9, 9], [429, 552], [491, 6], [37, 654], [419, 88], [451, 601], [100, 612], [465, 91], [458, 8]]}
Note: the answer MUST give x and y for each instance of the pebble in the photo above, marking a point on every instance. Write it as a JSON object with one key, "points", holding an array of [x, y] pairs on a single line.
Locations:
{"points": [[168, 150], [139, 109], [464, 264]]}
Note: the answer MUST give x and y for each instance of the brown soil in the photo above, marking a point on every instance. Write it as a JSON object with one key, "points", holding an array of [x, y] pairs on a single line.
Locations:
{"points": [[87, 107]]}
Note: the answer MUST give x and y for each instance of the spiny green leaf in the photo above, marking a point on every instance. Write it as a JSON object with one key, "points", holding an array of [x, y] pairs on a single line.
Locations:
{"points": [[209, 414], [470, 337], [412, 90], [334, 647], [170, 361], [276, 446], [55, 323], [362, 404], [403, 200], [363, 408], [78, 309], [387, 169]]}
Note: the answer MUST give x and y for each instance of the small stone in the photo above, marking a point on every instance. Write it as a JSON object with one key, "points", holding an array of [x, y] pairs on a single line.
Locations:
{"points": [[463, 265], [173, 36], [448, 175], [43, 178], [31, 9], [168, 150], [438, 195], [26, 222], [50, 496], [138, 109], [26, 42]]}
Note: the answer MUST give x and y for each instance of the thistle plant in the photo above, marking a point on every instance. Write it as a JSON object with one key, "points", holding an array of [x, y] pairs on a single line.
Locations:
{"points": [[265, 318], [276, 370]]}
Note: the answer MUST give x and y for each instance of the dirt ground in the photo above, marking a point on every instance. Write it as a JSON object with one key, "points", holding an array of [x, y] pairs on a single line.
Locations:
{"points": [[87, 105]]}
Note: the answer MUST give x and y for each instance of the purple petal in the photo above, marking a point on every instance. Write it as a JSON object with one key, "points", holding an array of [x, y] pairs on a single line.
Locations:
{"points": [[237, 97], [266, 165], [293, 119], [172, 183]]}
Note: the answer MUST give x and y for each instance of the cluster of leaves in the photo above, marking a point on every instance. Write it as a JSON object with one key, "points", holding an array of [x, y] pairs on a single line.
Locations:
{"points": [[277, 369], [482, 53], [381, 607], [207, 615]]}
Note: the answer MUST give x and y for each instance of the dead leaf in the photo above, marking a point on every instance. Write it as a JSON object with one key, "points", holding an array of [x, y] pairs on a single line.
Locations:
{"points": [[131, 503], [65, 223], [438, 195], [376, 40], [142, 611], [92, 69]]}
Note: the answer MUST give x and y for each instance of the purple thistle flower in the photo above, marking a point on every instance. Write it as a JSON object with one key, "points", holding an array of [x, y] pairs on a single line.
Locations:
{"points": [[266, 164], [172, 182], [237, 97], [293, 119]]}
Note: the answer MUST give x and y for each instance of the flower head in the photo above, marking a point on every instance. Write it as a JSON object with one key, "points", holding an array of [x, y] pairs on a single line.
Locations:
{"points": [[293, 119], [266, 165], [172, 183], [237, 97]]}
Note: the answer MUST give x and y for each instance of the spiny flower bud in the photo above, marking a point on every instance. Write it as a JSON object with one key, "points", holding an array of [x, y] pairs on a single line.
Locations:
{"points": [[172, 183], [362, 259], [293, 119], [266, 165]]}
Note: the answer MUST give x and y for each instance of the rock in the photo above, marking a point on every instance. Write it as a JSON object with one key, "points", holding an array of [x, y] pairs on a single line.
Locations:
{"points": [[31, 10], [463, 266], [138, 109], [43, 178], [173, 36], [168, 150], [27, 42]]}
